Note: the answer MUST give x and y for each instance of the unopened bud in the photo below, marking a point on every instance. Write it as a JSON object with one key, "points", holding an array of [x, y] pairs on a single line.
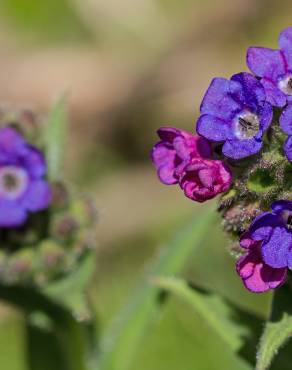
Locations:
{"points": [[64, 227], [84, 211], [52, 256], [20, 266], [60, 195]]}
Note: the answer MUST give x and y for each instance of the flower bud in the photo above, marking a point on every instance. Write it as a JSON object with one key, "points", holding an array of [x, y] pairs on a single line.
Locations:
{"points": [[64, 227], [52, 260], [84, 211], [60, 195], [20, 266]]}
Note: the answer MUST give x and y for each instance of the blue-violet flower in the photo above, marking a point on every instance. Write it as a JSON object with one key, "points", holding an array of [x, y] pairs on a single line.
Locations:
{"points": [[286, 125], [236, 113], [22, 187], [274, 67], [274, 229], [256, 275]]}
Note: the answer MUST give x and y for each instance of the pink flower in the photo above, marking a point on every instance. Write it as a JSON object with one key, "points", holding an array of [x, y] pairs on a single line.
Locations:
{"points": [[257, 276], [203, 179], [175, 149]]}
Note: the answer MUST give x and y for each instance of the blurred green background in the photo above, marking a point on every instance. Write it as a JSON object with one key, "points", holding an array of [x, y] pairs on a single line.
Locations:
{"points": [[129, 67]]}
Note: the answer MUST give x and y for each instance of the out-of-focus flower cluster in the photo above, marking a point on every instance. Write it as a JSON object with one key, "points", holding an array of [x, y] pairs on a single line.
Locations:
{"points": [[243, 150], [45, 228]]}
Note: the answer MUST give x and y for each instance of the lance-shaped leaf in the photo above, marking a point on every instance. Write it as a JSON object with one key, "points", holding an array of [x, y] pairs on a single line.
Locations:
{"points": [[122, 339], [70, 291], [212, 308]]}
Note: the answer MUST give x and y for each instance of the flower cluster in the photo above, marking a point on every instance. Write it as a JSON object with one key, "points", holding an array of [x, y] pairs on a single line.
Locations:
{"points": [[44, 230], [243, 148], [22, 185], [183, 158]]}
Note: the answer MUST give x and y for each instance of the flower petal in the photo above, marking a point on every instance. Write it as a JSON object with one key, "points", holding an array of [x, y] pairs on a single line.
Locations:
{"points": [[12, 145], [161, 154], [285, 43], [218, 101], [181, 147], [274, 95], [286, 120], [265, 62], [237, 149], [276, 250], [37, 197], [189, 146], [34, 162], [12, 214], [168, 134], [203, 179], [248, 90], [273, 277], [262, 227], [246, 241], [164, 160], [166, 175], [281, 205], [214, 128], [258, 277], [245, 266], [288, 148], [265, 112]]}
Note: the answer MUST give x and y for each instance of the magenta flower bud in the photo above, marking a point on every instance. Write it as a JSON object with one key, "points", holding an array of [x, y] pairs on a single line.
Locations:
{"points": [[175, 149], [257, 276], [203, 179]]}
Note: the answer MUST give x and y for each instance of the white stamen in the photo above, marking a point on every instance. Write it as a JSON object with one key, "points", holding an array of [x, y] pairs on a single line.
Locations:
{"points": [[246, 125], [13, 182]]}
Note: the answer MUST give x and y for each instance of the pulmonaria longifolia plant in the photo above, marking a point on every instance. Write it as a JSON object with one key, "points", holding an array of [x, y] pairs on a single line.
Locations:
{"points": [[242, 152], [47, 239]]}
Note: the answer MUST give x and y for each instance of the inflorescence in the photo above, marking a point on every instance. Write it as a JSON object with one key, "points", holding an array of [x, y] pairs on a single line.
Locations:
{"points": [[243, 151], [45, 229]]}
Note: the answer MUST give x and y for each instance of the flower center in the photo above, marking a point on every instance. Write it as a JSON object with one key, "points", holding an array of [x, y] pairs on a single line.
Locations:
{"points": [[246, 126], [285, 85], [13, 182], [287, 218], [289, 222]]}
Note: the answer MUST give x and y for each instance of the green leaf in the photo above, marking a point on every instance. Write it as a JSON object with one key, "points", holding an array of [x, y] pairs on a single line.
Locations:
{"points": [[70, 291], [54, 139], [277, 330], [212, 308], [122, 338]]}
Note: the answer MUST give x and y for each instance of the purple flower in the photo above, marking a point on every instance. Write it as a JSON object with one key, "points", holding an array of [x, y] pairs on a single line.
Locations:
{"points": [[235, 112], [22, 187], [275, 68], [175, 149], [256, 275], [274, 229], [203, 179]]}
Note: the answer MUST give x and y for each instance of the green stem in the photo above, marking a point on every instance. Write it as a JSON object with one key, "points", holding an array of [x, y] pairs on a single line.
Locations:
{"points": [[65, 334]]}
